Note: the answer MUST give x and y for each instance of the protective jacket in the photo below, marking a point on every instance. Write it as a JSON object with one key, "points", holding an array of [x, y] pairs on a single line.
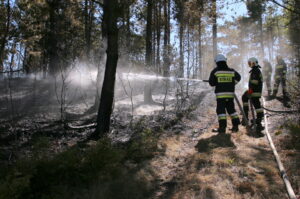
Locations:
{"points": [[281, 69], [256, 81], [267, 70], [280, 78], [224, 80]]}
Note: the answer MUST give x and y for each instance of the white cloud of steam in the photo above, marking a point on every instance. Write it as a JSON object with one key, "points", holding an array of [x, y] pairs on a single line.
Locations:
{"points": [[82, 75]]}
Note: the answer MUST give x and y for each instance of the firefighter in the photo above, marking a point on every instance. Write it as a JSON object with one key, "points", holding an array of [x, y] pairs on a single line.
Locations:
{"points": [[280, 78], [253, 94], [267, 74], [224, 79]]}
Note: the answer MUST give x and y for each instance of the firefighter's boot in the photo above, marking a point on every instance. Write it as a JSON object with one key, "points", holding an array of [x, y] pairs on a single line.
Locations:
{"points": [[219, 130], [235, 129]]}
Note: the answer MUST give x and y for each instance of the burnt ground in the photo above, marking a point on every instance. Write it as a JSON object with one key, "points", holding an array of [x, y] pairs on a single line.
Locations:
{"points": [[190, 161]]}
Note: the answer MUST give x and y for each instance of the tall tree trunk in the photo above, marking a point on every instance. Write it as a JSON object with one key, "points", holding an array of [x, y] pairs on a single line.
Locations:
{"points": [[149, 34], [188, 71], [52, 37], [262, 47], [154, 34], [214, 27], [99, 78], [4, 39], [147, 88], [200, 49], [87, 27], [158, 35], [181, 32], [107, 94], [12, 59], [128, 32], [270, 43], [167, 38], [195, 56]]}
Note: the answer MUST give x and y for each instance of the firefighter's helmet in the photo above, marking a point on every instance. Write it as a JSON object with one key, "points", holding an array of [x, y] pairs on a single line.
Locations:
{"points": [[219, 58], [252, 61]]}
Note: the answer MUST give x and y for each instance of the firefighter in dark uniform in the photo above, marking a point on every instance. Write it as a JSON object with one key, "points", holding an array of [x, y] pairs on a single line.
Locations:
{"points": [[267, 76], [253, 94], [280, 78], [224, 79]]}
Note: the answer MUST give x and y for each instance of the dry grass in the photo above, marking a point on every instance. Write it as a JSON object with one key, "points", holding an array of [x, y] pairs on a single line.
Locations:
{"points": [[231, 167]]}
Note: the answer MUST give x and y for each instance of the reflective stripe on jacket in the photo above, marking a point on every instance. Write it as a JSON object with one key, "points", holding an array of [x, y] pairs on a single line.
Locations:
{"points": [[256, 81], [224, 80]]}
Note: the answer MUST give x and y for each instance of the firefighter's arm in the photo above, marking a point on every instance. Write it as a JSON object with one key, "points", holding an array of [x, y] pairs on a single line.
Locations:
{"points": [[212, 79], [256, 79], [237, 77], [284, 70]]}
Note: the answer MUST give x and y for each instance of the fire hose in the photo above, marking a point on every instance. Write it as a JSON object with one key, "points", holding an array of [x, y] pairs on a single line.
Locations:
{"points": [[281, 111], [267, 109]]}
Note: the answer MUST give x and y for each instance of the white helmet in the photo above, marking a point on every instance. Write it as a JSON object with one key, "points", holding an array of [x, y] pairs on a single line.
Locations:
{"points": [[253, 60], [220, 57]]}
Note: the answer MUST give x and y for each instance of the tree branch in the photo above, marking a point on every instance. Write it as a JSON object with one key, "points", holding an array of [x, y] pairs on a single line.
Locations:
{"points": [[284, 7], [98, 2]]}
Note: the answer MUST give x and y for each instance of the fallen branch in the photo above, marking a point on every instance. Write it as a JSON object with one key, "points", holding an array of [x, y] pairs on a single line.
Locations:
{"points": [[93, 125], [13, 71]]}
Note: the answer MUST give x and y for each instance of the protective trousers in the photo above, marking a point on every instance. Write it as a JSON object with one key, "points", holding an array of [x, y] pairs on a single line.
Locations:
{"points": [[256, 103], [268, 84], [280, 80], [223, 105]]}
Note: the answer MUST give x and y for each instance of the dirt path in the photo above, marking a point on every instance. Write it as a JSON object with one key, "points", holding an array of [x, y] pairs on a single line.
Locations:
{"points": [[204, 165]]}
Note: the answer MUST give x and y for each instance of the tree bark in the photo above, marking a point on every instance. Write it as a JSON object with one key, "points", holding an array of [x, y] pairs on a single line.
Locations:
{"points": [[261, 37], [107, 94], [167, 38], [214, 27], [52, 37], [147, 88], [149, 34], [87, 26], [200, 50], [181, 48], [158, 36], [4, 39]]}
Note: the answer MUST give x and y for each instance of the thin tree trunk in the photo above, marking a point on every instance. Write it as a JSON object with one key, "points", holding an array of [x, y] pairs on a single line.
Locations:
{"points": [[87, 27], [107, 93], [52, 37], [181, 31], [128, 33], [189, 49], [4, 39], [158, 36], [214, 27], [147, 87], [167, 38], [149, 33], [195, 56], [261, 37], [200, 50], [12, 59]]}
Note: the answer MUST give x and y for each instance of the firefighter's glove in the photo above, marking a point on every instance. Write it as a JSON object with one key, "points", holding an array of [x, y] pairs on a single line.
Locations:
{"points": [[249, 92]]}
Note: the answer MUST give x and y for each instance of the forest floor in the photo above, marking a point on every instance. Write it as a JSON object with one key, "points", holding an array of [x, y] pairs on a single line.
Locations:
{"points": [[200, 164], [166, 155]]}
